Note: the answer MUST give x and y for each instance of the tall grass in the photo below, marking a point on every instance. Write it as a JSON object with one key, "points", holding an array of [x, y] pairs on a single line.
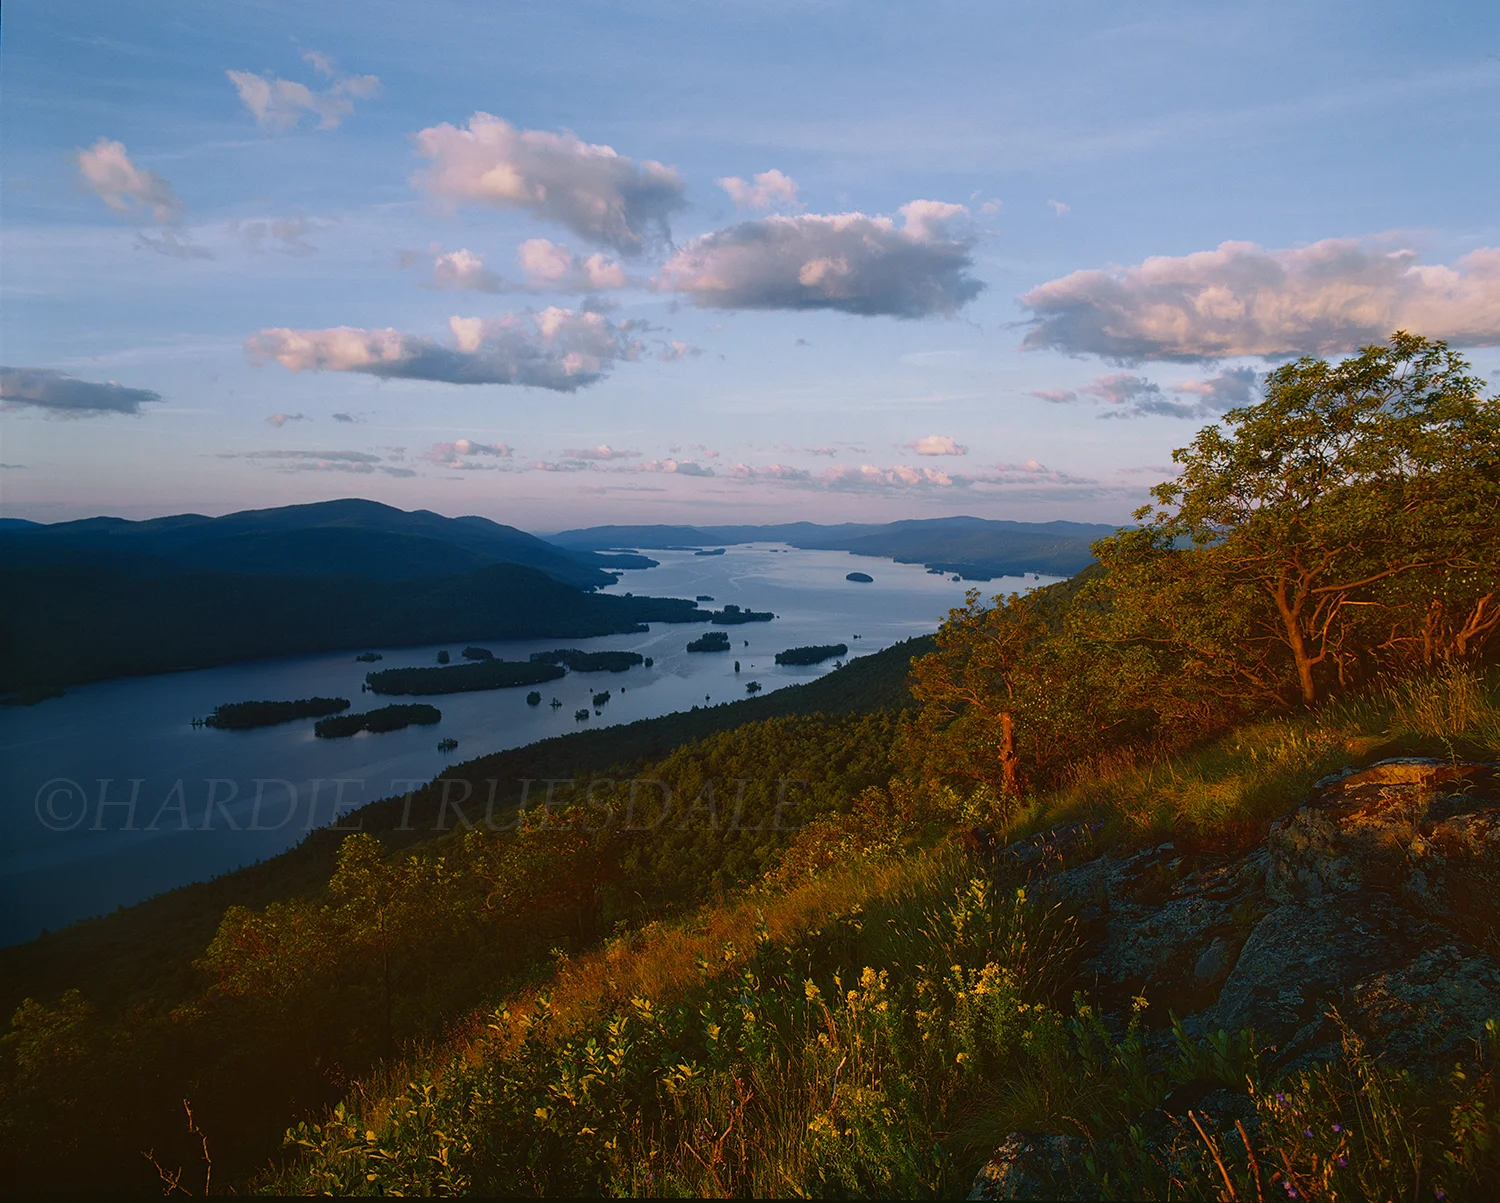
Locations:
{"points": [[877, 1029]]}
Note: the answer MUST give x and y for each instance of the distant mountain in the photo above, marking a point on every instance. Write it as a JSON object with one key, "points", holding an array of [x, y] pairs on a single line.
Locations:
{"points": [[975, 548], [348, 537], [17, 523]]}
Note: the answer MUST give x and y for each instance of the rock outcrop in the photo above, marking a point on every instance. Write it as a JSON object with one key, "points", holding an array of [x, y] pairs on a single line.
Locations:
{"points": [[1378, 896]]}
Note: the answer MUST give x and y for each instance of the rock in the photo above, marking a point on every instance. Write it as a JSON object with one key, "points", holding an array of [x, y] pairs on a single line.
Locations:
{"points": [[1425, 1015], [1300, 959], [1031, 1165], [1427, 830], [1375, 900]]}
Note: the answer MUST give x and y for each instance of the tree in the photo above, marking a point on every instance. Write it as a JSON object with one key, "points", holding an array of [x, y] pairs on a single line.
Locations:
{"points": [[1365, 485], [1009, 692]]}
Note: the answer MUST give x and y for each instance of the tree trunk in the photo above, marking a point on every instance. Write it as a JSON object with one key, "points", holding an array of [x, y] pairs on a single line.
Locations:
{"points": [[1008, 753], [1291, 623]]}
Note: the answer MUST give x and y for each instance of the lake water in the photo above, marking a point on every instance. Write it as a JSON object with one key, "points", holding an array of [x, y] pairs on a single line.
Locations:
{"points": [[207, 801]]}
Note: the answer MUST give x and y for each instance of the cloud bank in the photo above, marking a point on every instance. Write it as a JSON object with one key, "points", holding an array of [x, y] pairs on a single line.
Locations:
{"points": [[362, 463], [602, 196], [559, 349], [106, 171], [1242, 300], [847, 261], [43, 388]]}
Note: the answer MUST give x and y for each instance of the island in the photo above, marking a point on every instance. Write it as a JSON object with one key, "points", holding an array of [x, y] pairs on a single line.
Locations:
{"points": [[443, 657], [710, 641], [601, 698], [387, 718], [369, 657], [705, 597], [464, 678], [815, 654], [753, 687], [731, 616], [478, 653], [242, 716], [534, 698], [863, 578], [717, 551], [589, 662]]}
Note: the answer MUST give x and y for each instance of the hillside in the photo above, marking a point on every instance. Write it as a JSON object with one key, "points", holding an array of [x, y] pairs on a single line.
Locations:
{"points": [[61, 625], [975, 548], [350, 537]]}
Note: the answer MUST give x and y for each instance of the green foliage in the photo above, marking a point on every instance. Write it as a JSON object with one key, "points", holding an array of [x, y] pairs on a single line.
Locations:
{"points": [[386, 718], [240, 716], [464, 678], [814, 654], [590, 662], [709, 641]]}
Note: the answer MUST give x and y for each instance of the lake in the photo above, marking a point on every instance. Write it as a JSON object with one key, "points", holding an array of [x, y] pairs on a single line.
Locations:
{"points": [[109, 795]]}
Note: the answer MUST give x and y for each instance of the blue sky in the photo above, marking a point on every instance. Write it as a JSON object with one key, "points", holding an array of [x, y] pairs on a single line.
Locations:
{"points": [[841, 261]]}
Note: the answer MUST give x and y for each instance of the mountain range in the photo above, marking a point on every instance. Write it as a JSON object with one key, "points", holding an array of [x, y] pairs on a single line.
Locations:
{"points": [[975, 548]]}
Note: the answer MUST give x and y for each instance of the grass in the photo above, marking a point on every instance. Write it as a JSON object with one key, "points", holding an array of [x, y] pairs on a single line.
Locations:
{"points": [[878, 1029]]}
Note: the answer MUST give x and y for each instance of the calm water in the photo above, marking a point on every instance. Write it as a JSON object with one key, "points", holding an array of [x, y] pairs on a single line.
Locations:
{"points": [[64, 856]]}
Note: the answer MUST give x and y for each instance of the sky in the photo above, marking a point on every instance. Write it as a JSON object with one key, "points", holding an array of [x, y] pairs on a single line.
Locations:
{"points": [[572, 264]]}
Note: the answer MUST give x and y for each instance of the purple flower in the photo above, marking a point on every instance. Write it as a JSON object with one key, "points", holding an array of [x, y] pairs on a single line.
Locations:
{"points": [[1338, 1127], [1307, 1132], [1280, 1098], [1343, 1161], [1439, 1193]]}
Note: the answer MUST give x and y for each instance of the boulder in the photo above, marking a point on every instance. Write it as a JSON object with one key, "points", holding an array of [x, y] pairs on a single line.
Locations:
{"points": [[1032, 1165]]}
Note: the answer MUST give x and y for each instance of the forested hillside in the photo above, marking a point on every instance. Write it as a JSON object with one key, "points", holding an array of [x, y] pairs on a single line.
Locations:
{"points": [[1129, 901]]}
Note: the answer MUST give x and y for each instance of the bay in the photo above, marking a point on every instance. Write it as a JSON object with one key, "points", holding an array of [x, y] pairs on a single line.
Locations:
{"points": [[74, 844]]}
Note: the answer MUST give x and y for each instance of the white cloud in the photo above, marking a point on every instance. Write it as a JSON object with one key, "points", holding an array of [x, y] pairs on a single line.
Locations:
{"points": [[280, 420], [768, 190], [906, 480], [1231, 388], [845, 261], [1129, 396], [281, 104], [675, 350], [552, 267], [464, 271], [600, 195], [560, 349], [461, 454], [1242, 300], [46, 389], [602, 452], [937, 444], [1059, 208], [107, 172], [676, 467]]}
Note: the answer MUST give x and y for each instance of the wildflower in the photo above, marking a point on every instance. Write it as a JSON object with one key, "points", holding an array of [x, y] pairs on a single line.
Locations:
{"points": [[1307, 1132], [1342, 1161], [1439, 1193], [1338, 1127], [1281, 1098]]}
